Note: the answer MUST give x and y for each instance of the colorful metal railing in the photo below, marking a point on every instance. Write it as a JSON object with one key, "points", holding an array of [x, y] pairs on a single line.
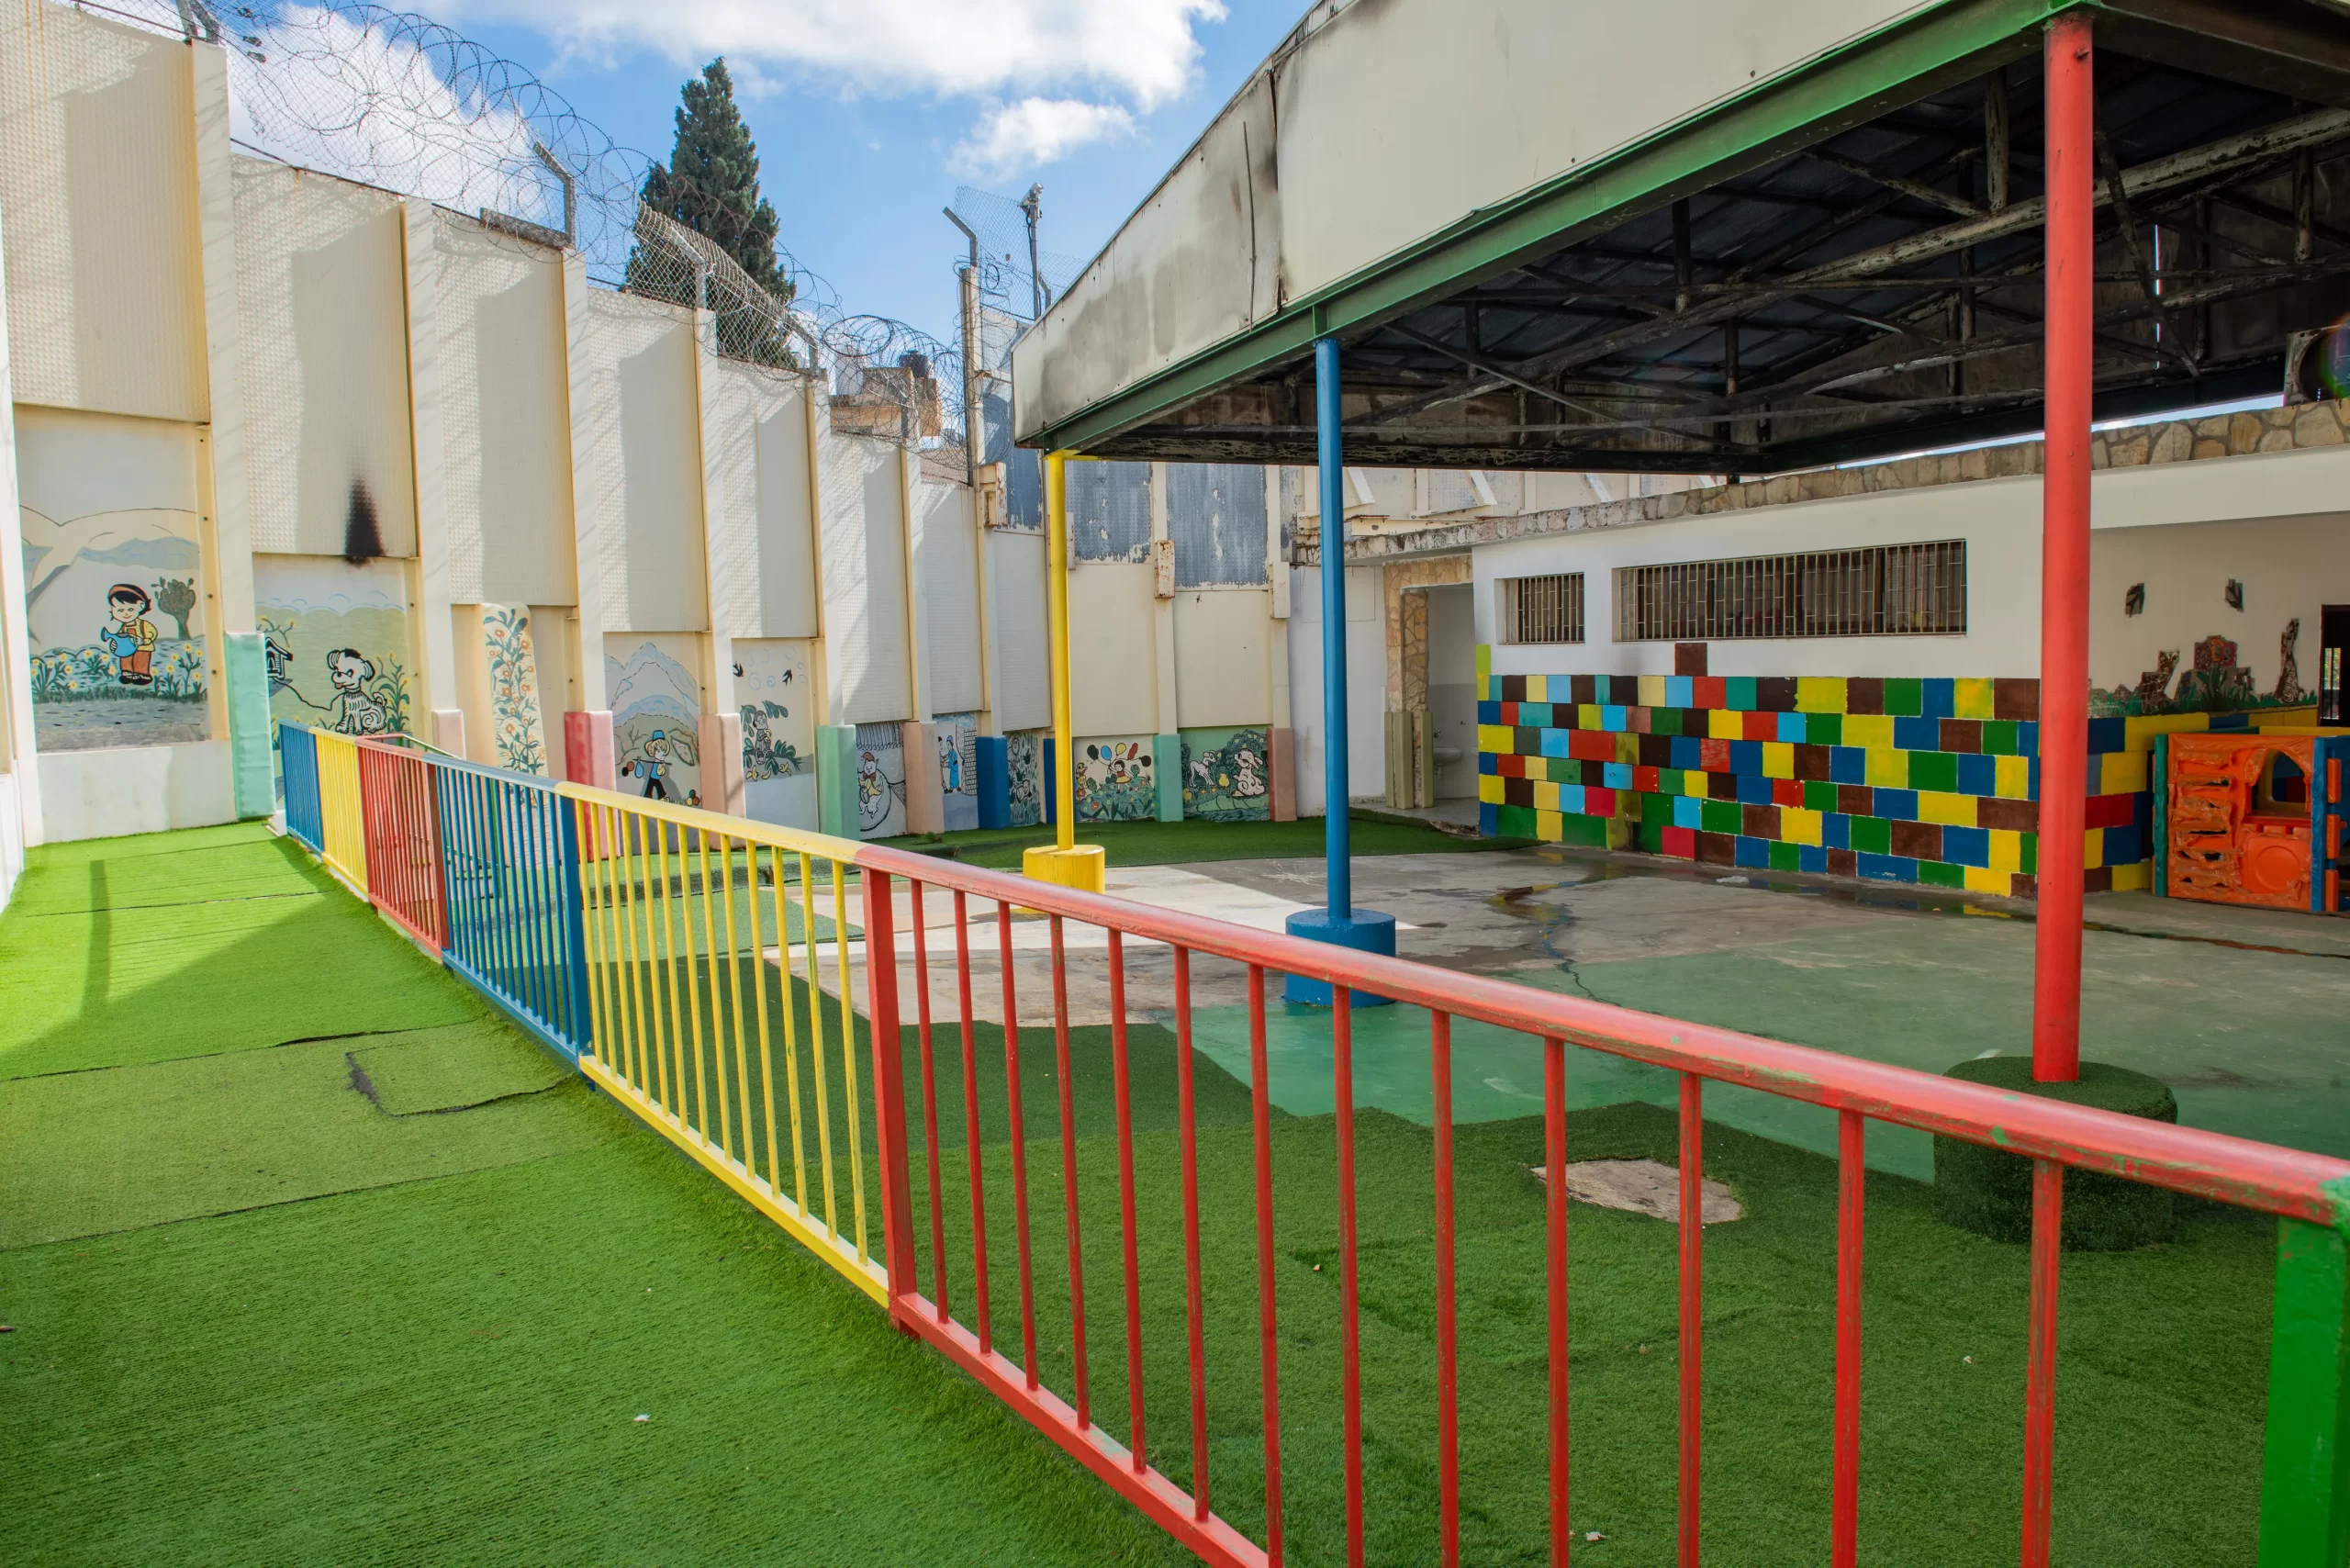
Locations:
{"points": [[697, 1032], [342, 824], [401, 812], [298, 768], [509, 858], [689, 972]]}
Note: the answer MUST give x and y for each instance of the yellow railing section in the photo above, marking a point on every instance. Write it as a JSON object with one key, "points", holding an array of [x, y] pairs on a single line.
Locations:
{"points": [[342, 824], [720, 1048]]}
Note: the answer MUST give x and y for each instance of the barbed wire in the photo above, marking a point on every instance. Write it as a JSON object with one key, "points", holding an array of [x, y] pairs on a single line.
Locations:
{"points": [[400, 101]]}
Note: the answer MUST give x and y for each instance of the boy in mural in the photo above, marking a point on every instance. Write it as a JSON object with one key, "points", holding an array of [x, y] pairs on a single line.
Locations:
{"points": [[653, 765], [356, 712], [128, 635]]}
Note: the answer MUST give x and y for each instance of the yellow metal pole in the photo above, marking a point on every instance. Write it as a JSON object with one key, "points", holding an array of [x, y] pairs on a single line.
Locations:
{"points": [[1057, 619], [1068, 863]]}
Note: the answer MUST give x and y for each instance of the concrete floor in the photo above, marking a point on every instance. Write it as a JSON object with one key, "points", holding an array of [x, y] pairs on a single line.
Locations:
{"points": [[2243, 1012]]}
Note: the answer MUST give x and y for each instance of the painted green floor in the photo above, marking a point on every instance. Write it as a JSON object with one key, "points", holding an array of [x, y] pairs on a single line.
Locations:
{"points": [[330, 1267], [1161, 844]]}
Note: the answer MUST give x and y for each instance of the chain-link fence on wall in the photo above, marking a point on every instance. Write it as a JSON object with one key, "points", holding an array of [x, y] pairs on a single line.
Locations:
{"points": [[403, 103]]}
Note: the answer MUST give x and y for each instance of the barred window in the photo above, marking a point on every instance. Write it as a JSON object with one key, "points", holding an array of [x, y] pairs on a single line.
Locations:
{"points": [[1542, 609], [1887, 590]]}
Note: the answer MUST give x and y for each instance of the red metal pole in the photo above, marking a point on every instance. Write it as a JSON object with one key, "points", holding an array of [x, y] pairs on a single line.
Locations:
{"points": [[1342, 1080], [889, 1087], [1123, 1086], [929, 1092], [1068, 1178], [1448, 1389], [1554, 1153], [1851, 1188], [1187, 1130], [1693, 1303], [1261, 1102], [971, 1128], [2040, 1366], [1019, 1130], [2064, 549]]}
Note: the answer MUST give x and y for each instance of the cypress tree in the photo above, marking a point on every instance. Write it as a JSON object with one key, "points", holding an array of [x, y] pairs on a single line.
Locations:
{"points": [[711, 185]]}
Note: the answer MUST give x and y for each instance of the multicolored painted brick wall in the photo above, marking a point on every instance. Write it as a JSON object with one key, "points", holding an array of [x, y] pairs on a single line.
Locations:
{"points": [[1911, 780]]}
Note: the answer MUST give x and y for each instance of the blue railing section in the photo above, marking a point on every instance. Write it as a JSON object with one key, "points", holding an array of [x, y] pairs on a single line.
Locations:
{"points": [[299, 751], [509, 852]]}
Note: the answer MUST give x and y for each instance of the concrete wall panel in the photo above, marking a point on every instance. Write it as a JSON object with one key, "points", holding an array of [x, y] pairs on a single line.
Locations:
{"points": [[1023, 700], [766, 574], [1112, 650], [863, 518], [949, 544], [506, 402], [1222, 676], [97, 176], [644, 454], [323, 368]]}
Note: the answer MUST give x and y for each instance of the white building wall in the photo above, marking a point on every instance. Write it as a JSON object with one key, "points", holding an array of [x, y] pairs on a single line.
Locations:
{"points": [[2138, 515], [1366, 686]]}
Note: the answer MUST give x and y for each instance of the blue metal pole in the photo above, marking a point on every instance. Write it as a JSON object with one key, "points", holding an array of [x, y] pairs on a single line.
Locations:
{"points": [[1334, 625]]}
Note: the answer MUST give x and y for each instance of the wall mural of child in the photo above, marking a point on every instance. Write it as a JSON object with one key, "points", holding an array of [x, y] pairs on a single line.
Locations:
{"points": [[128, 635], [651, 764]]}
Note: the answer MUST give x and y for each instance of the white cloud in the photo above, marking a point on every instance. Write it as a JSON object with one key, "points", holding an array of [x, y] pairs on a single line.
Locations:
{"points": [[367, 104], [1142, 52], [1035, 131]]}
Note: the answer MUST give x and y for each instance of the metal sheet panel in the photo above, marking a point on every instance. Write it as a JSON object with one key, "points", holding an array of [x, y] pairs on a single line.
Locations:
{"points": [[1215, 515], [1396, 120]]}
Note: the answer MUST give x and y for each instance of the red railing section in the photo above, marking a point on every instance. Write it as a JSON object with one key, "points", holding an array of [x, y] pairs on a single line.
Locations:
{"points": [[2055, 1135], [402, 819]]}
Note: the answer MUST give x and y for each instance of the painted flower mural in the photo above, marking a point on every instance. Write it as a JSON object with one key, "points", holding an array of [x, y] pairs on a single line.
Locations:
{"points": [[516, 725]]}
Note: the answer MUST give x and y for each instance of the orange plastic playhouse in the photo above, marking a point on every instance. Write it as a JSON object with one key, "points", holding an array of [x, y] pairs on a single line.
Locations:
{"points": [[2253, 819]]}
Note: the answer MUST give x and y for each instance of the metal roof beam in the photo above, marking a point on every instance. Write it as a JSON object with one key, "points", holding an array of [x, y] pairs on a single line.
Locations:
{"points": [[2234, 154]]}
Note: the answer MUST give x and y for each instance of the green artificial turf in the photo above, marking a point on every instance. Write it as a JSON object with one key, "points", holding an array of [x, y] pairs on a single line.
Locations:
{"points": [[86, 1153], [106, 987], [450, 1373], [453, 1067], [1164, 844]]}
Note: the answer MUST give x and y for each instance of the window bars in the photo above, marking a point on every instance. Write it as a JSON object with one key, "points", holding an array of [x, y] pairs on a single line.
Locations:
{"points": [[1886, 590], [1542, 609]]}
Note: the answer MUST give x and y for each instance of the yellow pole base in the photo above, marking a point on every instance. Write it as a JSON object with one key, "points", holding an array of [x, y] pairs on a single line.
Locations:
{"points": [[1080, 865]]}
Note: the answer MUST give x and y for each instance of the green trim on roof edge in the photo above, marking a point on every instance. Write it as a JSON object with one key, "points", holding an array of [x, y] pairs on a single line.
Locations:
{"points": [[1904, 60]]}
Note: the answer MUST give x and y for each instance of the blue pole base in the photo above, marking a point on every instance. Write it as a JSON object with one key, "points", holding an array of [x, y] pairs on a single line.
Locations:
{"points": [[1364, 930]]}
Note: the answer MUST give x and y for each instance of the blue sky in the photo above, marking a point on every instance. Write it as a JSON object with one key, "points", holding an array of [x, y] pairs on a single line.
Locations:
{"points": [[868, 114]]}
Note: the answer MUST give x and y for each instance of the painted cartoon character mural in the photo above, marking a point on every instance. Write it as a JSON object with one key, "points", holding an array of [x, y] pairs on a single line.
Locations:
{"points": [[653, 762], [355, 711], [950, 763], [872, 792], [1115, 782], [1225, 776], [127, 635]]}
